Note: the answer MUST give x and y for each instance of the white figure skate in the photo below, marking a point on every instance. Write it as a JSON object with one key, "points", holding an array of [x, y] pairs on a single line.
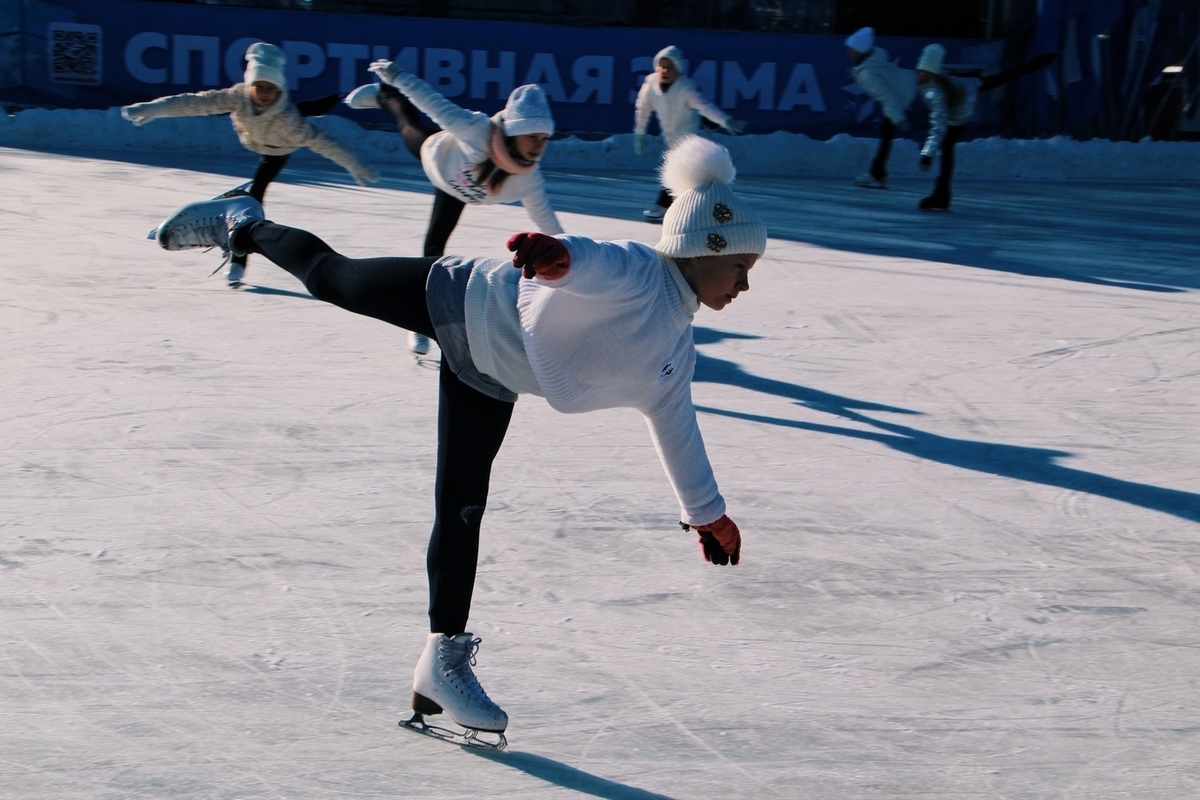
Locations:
{"points": [[366, 96], [444, 681]]}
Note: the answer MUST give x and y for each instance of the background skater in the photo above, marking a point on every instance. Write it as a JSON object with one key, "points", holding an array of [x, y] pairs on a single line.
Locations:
{"points": [[670, 93], [888, 85], [471, 158], [266, 121]]}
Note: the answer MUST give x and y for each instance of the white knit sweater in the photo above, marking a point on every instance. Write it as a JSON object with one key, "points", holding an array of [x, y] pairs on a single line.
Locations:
{"points": [[679, 108], [274, 131], [452, 156], [614, 332]]}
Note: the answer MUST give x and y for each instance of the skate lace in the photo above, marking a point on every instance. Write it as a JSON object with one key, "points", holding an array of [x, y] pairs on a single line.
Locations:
{"points": [[460, 658]]}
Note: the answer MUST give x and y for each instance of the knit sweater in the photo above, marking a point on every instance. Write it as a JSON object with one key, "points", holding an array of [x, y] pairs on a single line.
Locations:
{"points": [[273, 131], [452, 156], [614, 332], [885, 83], [679, 108]]}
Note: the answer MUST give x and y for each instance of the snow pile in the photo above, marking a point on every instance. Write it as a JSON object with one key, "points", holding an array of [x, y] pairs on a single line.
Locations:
{"points": [[780, 153]]}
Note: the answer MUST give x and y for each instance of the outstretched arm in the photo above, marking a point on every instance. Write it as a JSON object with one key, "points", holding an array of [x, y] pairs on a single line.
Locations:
{"points": [[198, 104], [323, 144]]}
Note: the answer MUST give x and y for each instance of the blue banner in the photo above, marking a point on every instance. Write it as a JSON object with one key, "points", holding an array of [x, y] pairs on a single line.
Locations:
{"points": [[101, 53]]}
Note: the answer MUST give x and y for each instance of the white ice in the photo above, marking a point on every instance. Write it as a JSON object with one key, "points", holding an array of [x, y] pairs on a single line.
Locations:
{"points": [[961, 449]]}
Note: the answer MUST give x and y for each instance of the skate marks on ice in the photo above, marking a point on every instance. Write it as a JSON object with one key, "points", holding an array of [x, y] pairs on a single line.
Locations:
{"points": [[1032, 464], [1071, 232]]}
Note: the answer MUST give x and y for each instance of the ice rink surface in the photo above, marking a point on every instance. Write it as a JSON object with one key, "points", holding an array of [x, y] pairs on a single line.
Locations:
{"points": [[961, 448]]}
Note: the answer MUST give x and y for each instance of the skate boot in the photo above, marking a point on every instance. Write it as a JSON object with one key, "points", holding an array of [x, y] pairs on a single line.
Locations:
{"points": [[208, 224], [418, 343], [869, 181], [935, 202], [237, 271], [443, 680], [366, 96], [654, 214]]}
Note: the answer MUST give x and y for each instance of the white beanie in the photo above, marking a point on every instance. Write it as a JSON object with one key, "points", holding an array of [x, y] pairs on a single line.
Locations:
{"points": [[527, 111], [674, 54], [707, 218], [931, 59], [862, 40], [265, 63]]}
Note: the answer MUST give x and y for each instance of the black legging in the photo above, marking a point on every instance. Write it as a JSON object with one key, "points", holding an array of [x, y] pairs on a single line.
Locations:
{"points": [[412, 129], [269, 167], [879, 166], [471, 425], [941, 189]]}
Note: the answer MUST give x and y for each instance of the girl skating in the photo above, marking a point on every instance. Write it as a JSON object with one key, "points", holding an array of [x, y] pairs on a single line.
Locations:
{"points": [[471, 158], [585, 324], [891, 87], [266, 121], [670, 94], [951, 103]]}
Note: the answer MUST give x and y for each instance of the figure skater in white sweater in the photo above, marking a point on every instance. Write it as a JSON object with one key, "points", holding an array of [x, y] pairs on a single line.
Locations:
{"points": [[585, 324], [888, 85], [470, 158], [670, 94], [266, 122]]}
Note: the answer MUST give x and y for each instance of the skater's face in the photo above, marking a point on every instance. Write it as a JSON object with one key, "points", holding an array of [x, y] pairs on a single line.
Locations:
{"points": [[718, 280], [923, 76], [668, 73], [530, 146], [264, 93], [855, 56]]}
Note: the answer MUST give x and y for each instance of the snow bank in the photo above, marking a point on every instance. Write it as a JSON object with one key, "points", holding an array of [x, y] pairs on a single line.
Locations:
{"points": [[780, 153]]}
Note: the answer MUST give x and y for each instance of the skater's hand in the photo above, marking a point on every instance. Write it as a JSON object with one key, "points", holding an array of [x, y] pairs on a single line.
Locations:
{"points": [[138, 113], [925, 163], [364, 175], [720, 541], [639, 143], [537, 254], [387, 71], [735, 126]]}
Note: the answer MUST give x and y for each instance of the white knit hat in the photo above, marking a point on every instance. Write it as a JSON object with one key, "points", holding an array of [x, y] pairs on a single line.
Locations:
{"points": [[674, 54], [265, 63], [707, 218], [527, 111], [862, 40], [931, 59]]}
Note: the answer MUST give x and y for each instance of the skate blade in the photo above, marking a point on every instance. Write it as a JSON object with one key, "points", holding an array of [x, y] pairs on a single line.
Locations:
{"points": [[466, 738]]}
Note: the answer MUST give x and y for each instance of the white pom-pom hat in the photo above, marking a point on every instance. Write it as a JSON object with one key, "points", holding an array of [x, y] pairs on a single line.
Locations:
{"points": [[706, 217], [265, 62]]}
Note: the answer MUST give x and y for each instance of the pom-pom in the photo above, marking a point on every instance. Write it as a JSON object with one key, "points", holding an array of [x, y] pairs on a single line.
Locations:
{"points": [[696, 161]]}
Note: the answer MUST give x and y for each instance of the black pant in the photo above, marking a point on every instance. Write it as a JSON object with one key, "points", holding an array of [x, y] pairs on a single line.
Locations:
{"points": [[941, 189], [471, 425], [414, 131], [879, 165], [269, 167]]}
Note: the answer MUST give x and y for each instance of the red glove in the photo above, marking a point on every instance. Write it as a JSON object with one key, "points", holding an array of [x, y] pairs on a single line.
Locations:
{"points": [[720, 541], [539, 254]]}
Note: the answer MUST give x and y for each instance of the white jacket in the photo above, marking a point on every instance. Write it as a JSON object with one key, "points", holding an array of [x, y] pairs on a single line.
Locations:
{"points": [[452, 156], [679, 108], [274, 131], [614, 332], [890, 86]]}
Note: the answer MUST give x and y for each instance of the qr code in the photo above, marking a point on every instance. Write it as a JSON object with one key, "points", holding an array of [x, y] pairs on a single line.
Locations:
{"points": [[75, 53]]}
